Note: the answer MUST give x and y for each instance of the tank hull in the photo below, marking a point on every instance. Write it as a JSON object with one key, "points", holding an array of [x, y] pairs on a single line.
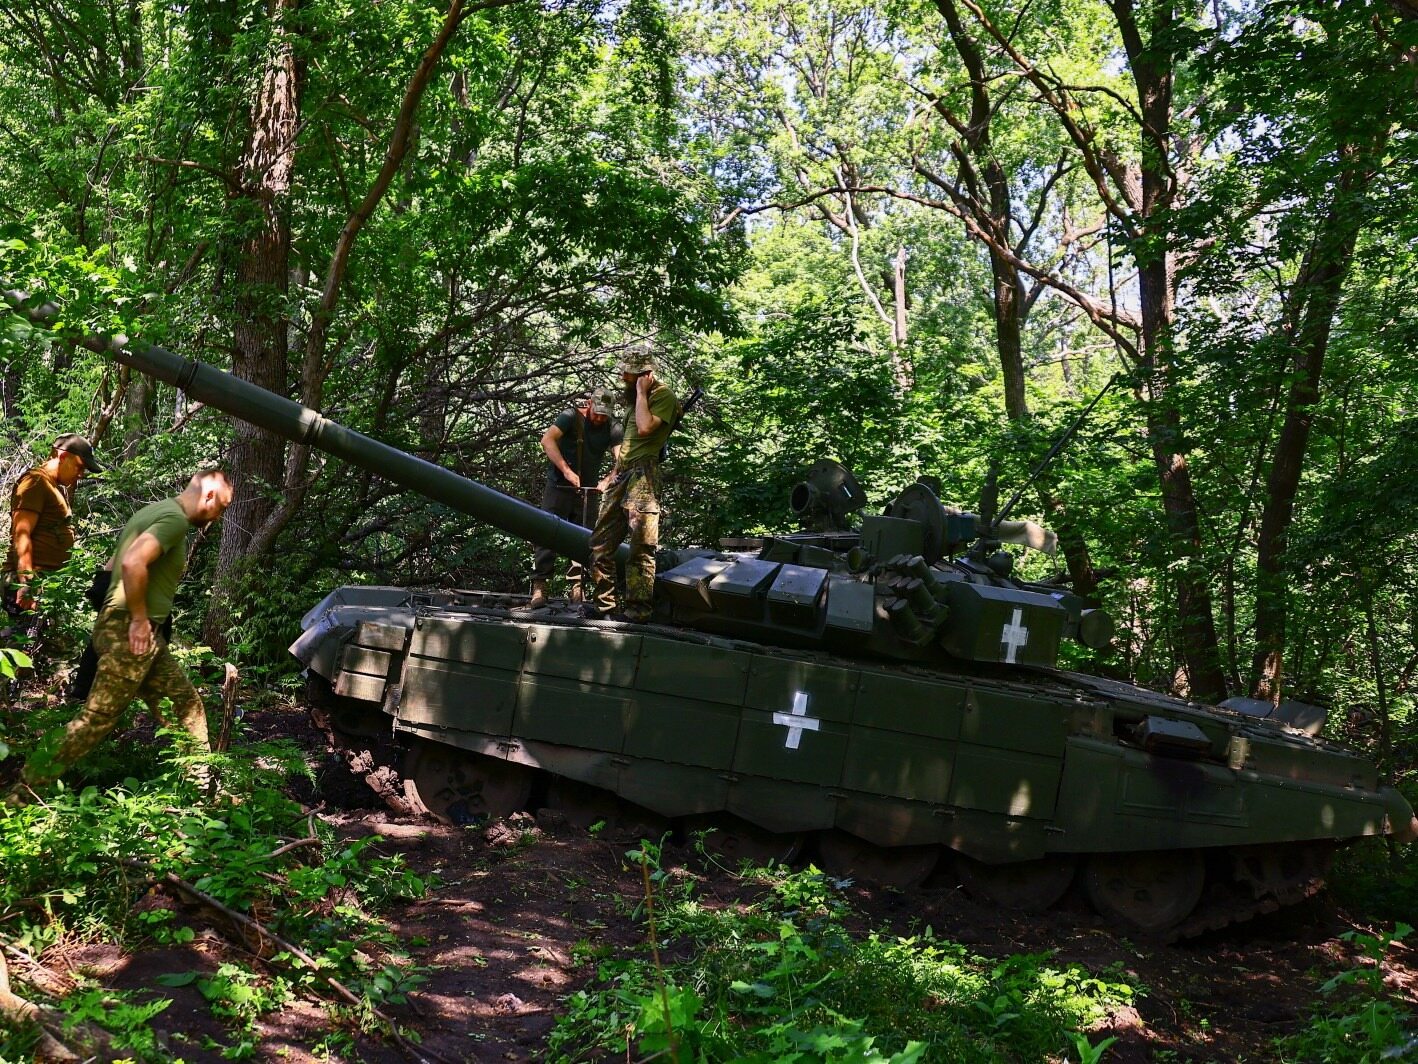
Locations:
{"points": [[1004, 768]]}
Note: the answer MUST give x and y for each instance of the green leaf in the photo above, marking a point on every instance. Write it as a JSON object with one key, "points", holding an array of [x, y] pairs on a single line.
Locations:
{"points": [[762, 990]]}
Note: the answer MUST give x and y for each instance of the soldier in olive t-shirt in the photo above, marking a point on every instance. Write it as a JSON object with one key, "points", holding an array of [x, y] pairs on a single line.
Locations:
{"points": [[167, 523], [134, 659], [630, 507]]}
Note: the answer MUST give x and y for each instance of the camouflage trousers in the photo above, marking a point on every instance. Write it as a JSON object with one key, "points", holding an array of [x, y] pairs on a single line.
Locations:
{"points": [[122, 677], [629, 506]]}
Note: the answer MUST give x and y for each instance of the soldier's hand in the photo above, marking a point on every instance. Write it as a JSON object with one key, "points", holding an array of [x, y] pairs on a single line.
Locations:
{"points": [[573, 478], [140, 636], [24, 599], [644, 383]]}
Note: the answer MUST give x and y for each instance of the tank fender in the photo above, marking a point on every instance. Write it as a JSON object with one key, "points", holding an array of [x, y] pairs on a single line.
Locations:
{"points": [[318, 647], [1402, 824], [355, 595]]}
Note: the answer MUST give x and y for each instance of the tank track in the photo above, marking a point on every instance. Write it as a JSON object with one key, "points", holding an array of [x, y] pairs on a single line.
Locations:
{"points": [[1256, 889], [1215, 913]]}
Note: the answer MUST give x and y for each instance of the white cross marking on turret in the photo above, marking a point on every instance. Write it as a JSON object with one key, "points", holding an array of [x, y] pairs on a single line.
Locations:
{"points": [[1014, 636], [797, 721]]}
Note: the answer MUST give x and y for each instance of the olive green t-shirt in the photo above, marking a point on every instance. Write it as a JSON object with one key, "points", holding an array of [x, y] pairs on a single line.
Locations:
{"points": [[637, 448], [169, 526], [53, 538]]}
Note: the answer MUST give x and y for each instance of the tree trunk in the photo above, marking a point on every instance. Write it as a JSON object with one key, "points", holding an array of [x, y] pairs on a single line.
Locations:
{"points": [[1009, 327], [315, 362], [1315, 297], [989, 200], [1153, 70], [137, 413], [898, 287], [259, 310]]}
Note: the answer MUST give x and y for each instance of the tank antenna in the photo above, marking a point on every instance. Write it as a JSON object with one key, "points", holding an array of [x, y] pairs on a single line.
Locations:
{"points": [[1053, 451]]}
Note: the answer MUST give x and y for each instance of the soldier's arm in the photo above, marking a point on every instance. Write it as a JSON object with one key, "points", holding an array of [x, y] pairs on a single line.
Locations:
{"points": [[550, 440], [615, 464], [646, 421], [141, 553], [22, 524]]}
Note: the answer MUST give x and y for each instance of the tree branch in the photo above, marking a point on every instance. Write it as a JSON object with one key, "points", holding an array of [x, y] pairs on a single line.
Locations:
{"points": [[313, 366]]}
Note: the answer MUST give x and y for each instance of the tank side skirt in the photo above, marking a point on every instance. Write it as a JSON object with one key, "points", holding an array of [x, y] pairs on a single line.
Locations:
{"points": [[1116, 799], [1128, 801]]}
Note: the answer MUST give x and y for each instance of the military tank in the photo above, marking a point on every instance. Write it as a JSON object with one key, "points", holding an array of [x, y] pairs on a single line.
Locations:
{"points": [[885, 696]]}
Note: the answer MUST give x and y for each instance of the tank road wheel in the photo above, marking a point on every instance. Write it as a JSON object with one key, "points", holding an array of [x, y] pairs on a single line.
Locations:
{"points": [[1289, 872], [584, 806], [1030, 886], [1149, 891], [458, 787], [733, 841], [903, 867]]}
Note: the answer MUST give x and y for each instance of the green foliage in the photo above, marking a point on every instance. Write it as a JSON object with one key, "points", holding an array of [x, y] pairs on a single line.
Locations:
{"points": [[12, 660], [1363, 1022], [782, 978], [128, 1020], [239, 997], [76, 864], [1379, 881]]}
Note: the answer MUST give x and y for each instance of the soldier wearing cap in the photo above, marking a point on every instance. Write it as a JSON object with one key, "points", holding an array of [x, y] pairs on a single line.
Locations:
{"points": [[41, 525], [631, 502], [575, 445]]}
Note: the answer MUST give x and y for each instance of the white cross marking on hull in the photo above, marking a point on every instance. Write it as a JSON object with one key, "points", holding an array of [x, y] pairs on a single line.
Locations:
{"points": [[797, 721], [1013, 636]]}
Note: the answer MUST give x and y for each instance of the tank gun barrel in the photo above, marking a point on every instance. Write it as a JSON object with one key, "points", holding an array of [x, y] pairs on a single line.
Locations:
{"points": [[301, 425]]}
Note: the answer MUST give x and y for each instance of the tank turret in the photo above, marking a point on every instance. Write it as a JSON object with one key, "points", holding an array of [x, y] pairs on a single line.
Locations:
{"points": [[890, 589]]}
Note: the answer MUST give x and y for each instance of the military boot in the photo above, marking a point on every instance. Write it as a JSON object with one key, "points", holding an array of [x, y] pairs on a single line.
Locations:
{"points": [[539, 595]]}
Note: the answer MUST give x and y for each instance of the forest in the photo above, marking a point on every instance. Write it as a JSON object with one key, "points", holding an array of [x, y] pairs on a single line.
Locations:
{"points": [[916, 237]]}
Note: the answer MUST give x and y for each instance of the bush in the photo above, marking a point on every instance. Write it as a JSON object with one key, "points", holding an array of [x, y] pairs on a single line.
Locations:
{"points": [[783, 978], [76, 864], [1362, 1022]]}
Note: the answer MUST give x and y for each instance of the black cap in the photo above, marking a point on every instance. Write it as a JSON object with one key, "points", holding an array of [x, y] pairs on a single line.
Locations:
{"points": [[81, 447]]}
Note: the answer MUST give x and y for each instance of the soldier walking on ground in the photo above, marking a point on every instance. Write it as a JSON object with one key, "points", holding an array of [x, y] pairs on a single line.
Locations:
{"points": [[41, 528], [134, 658], [575, 444], [631, 503]]}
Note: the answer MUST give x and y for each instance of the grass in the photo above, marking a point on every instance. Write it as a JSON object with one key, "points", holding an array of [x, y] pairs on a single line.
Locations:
{"points": [[77, 864]]}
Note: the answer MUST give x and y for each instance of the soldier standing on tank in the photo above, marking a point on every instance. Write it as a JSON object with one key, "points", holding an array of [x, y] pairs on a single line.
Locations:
{"points": [[575, 444], [631, 503], [134, 658], [41, 529]]}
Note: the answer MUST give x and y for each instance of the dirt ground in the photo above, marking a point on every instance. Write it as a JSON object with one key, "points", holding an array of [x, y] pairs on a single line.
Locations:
{"points": [[507, 934]]}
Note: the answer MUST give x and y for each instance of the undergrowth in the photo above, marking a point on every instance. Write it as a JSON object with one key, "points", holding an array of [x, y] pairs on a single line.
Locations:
{"points": [[784, 980], [1360, 1019], [81, 867], [1375, 880]]}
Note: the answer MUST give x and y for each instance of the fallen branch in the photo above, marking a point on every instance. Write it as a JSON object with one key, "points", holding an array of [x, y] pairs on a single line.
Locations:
{"points": [[288, 847], [262, 932], [22, 1013], [37, 975]]}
